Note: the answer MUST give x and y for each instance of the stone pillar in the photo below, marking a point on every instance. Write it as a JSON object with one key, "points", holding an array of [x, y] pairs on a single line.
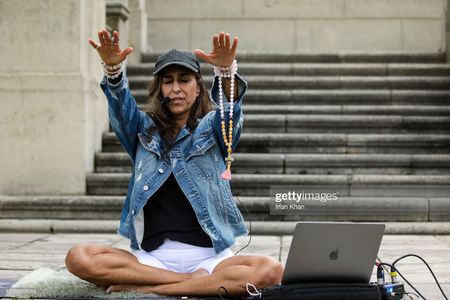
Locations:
{"points": [[53, 112], [138, 30], [117, 13], [447, 29]]}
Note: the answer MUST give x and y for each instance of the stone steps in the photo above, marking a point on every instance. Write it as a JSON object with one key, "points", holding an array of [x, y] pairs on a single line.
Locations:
{"points": [[397, 110], [327, 82], [376, 209], [327, 164], [375, 129], [346, 185], [257, 227], [269, 123], [338, 143], [372, 127], [319, 69], [395, 124], [344, 143], [335, 57], [360, 97]]}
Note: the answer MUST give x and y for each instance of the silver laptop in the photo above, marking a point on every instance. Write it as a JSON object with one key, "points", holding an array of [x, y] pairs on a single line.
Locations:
{"points": [[333, 252]]}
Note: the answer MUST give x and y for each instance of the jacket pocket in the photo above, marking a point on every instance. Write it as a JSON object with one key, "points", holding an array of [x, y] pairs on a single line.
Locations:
{"points": [[201, 144], [200, 158], [147, 156]]}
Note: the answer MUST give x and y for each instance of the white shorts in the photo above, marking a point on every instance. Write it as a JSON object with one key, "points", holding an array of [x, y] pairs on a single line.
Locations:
{"points": [[182, 258]]}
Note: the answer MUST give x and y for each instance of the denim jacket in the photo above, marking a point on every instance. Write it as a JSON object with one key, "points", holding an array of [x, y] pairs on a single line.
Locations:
{"points": [[196, 160]]}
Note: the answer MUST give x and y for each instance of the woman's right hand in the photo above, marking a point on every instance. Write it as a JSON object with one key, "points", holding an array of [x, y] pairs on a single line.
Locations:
{"points": [[109, 49]]}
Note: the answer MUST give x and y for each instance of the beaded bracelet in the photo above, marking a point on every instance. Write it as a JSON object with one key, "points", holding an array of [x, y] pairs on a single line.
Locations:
{"points": [[112, 72], [227, 72], [113, 67]]}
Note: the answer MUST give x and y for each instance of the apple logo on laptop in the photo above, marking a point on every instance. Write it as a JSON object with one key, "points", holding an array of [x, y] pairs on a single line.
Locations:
{"points": [[334, 255]]}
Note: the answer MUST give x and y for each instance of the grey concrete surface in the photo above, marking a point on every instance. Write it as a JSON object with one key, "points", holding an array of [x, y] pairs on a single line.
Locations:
{"points": [[25, 252]]}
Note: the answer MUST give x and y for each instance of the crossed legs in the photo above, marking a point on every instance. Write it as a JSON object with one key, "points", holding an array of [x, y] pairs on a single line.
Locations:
{"points": [[120, 270]]}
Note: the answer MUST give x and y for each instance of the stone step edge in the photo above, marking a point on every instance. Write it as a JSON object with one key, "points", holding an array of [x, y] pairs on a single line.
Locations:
{"points": [[379, 121], [258, 227], [337, 56], [315, 179], [392, 97], [349, 137], [324, 65], [334, 92], [260, 203], [121, 159], [320, 156], [341, 109], [332, 79], [318, 69]]}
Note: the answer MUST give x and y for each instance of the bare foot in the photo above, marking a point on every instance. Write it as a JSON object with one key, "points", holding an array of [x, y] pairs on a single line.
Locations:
{"points": [[148, 289]]}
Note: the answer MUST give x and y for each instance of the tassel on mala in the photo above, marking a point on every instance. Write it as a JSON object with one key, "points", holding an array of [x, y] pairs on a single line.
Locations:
{"points": [[227, 72]]}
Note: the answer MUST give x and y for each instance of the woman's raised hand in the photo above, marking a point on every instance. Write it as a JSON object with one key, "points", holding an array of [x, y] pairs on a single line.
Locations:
{"points": [[223, 52], [109, 49]]}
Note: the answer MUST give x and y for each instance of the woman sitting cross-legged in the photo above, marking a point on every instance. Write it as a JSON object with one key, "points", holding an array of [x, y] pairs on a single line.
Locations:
{"points": [[179, 213]]}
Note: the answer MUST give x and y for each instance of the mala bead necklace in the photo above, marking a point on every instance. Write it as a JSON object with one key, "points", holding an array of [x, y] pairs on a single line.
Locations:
{"points": [[227, 72]]}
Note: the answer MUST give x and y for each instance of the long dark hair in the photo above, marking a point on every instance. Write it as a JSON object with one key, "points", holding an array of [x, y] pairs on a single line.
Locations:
{"points": [[162, 116]]}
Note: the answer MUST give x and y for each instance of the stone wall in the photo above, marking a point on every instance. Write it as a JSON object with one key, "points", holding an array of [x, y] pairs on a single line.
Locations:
{"points": [[300, 25], [53, 111]]}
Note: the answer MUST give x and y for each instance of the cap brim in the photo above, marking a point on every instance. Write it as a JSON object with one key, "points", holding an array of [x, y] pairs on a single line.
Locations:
{"points": [[179, 63]]}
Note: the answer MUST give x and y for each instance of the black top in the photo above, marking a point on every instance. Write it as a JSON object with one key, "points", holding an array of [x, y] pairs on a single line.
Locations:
{"points": [[168, 214]]}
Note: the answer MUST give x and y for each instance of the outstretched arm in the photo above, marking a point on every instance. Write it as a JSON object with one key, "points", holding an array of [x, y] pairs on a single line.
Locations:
{"points": [[226, 130], [124, 116]]}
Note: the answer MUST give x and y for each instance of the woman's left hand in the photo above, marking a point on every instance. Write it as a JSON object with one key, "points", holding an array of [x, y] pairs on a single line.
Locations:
{"points": [[223, 52]]}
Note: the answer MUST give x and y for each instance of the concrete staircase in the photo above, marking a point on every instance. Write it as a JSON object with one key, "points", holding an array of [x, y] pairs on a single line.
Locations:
{"points": [[374, 127]]}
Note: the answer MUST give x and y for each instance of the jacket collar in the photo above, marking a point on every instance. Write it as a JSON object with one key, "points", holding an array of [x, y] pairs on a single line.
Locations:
{"points": [[183, 133]]}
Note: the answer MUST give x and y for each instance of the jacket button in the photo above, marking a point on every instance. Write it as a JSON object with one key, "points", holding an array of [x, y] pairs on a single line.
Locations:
{"points": [[133, 212], [160, 171], [145, 187]]}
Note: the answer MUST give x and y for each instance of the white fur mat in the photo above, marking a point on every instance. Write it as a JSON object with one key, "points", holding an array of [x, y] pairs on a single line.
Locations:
{"points": [[47, 283]]}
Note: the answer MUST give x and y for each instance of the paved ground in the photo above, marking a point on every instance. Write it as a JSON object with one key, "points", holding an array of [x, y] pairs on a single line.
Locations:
{"points": [[21, 253]]}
